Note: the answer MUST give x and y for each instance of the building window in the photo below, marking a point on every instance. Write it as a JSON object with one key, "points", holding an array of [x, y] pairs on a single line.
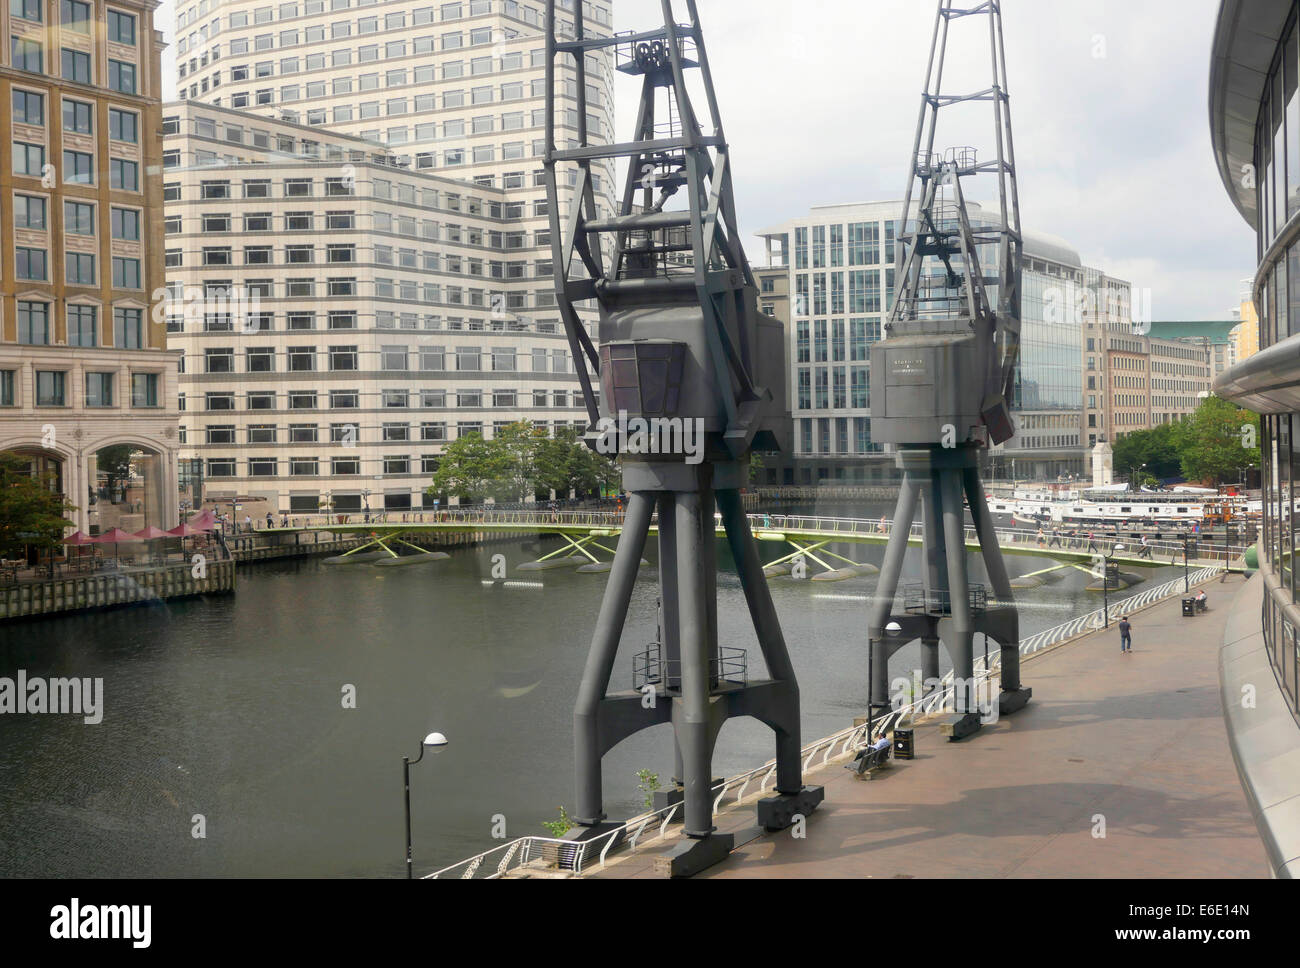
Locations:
{"points": [[27, 55], [78, 168], [27, 10], [123, 126], [144, 390], [83, 326], [29, 107], [6, 388], [121, 76], [75, 65], [28, 159], [78, 117], [79, 269], [121, 28], [33, 323], [29, 212], [128, 328], [126, 273], [30, 264], [126, 224], [123, 174], [99, 389], [51, 388]]}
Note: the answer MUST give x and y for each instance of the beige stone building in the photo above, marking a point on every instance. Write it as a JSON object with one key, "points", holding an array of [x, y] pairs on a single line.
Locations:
{"points": [[372, 175], [83, 364]]}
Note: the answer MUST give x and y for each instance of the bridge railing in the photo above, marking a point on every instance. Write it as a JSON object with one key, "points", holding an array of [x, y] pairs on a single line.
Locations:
{"points": [[819, 525]]}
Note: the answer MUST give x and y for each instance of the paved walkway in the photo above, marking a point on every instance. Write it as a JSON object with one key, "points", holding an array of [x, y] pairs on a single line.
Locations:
{"points": [[1138, 740]]}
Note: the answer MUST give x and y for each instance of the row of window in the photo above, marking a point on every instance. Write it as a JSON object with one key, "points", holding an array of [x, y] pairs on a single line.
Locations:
{"points": [[78, 167], [822, 246], [838, 387], [31, 212], [28, 55], [36, 326], [32, 264], [831, 435], [78, 15], [813, 297], [78, 116], [429, 399], [502, 305], [195, 317], [338, 433], [828, 343], [51, 389], [393, 359]]}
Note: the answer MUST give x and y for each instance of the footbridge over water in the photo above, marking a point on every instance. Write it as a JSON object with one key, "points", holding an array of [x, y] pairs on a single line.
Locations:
{"points": [[589, 539]]}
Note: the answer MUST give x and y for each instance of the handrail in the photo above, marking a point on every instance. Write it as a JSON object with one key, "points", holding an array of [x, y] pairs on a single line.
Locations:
{"points": [[1100, 544]]}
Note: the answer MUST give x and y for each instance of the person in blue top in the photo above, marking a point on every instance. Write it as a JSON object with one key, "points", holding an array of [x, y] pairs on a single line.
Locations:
{"points": [[1125, 635]]}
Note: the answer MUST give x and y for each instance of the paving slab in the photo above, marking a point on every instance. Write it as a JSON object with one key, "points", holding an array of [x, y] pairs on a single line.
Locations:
{"points": [[1119, 767]]}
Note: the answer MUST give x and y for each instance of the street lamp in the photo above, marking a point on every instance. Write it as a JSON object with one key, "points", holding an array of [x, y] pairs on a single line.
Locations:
{"points": [[1105, 582], [1187, 584], [892, 629], [436, 742]]}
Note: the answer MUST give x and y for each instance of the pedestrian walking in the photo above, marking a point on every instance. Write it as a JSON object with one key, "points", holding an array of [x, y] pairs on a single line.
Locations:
{"points": [[270, 521], [1092, 546], [1146, 548], [1125, 634], [1042, 538], [1056, 538], [883, 524], [248, 523]]}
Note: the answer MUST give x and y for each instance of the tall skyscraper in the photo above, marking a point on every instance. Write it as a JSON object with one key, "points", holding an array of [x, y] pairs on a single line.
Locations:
{"points": [[379, 162], [83, 365]]}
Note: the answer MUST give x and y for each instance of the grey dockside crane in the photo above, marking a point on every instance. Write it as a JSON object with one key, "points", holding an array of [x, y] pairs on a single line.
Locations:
{"points": [[681, 340], [942, 387]]}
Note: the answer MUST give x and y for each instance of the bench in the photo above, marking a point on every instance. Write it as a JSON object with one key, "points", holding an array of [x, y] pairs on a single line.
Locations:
{"points": [[870, 759]]}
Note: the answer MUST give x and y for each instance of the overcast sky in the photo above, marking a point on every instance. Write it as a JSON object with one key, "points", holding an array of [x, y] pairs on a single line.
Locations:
{"points": [[819, 100]]}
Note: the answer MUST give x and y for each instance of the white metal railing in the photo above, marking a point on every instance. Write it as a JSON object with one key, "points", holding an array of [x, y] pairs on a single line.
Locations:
{"points": [[808, 525], [577, 855]]}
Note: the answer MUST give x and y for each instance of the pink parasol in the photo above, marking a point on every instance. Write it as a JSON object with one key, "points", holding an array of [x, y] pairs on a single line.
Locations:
{"points": [[113, 537], [77, 538], [206, 521], [185, 531], [152, 534]]}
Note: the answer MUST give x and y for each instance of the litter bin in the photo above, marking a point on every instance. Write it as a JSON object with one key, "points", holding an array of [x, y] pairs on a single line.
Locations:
{"points": [[1189, 607], [904, 748]]}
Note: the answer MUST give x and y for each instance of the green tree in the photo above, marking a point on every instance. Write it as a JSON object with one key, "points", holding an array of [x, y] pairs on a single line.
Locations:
{"points": [[471, 469], [1217, 441], [31, 512], [1156, 448], [517, 444], [115, 463]]}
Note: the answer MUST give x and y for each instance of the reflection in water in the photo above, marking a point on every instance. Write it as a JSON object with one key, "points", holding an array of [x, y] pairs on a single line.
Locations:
{"points": [[233, 709]]}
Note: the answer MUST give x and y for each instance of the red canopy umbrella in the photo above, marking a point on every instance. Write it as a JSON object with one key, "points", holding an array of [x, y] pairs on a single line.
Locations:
{"points": [[206, 521], [114, 536], [185, 531], [77, 538], [152, 534]]}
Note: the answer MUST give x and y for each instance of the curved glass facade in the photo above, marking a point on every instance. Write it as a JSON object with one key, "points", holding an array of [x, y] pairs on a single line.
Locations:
{"points": [[1277, 298]]}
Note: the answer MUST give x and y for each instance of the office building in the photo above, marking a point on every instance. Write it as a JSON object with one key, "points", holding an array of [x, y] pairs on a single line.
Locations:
{"points": [[83, 364], [443, 106], [1255, 131], [839, 261], [342, 317]]}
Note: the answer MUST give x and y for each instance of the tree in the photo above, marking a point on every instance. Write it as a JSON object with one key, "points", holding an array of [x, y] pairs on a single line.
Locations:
{"points": [[1218, 441], [114, 461], [517, 444], [1156, 448], [471, 469], [31, 512]]}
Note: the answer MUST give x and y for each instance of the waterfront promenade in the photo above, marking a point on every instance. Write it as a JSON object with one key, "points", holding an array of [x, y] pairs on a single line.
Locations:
{"points": [[1138, 740]]}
